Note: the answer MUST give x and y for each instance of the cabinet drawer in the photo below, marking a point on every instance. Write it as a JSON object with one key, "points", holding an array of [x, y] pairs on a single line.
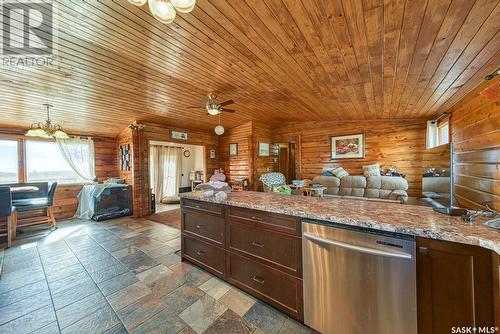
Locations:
{"points": [[286, 224], [279, 289], [203, 206], [209, 227], [205, 255], [280, 250]]}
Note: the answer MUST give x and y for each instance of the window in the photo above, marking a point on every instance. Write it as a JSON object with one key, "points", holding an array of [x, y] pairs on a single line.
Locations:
{"points": [[45, 162], [9, 171], [443, 135]]}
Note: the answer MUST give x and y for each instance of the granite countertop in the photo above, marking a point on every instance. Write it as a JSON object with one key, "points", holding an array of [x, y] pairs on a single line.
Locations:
{"points": [[406, 219]]}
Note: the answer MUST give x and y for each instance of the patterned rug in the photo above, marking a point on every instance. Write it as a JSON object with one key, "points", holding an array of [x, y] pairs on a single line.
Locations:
{"points": [[171, 218]]}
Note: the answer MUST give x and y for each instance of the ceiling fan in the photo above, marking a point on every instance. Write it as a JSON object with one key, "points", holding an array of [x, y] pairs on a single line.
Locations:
{"points": [[214, 108]]}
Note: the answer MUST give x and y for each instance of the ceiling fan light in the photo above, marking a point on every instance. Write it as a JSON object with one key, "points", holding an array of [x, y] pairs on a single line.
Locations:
{"points": [[213, 110], [138, 3], [219, 130], [162, 10], [35, 132], [183, 6]]}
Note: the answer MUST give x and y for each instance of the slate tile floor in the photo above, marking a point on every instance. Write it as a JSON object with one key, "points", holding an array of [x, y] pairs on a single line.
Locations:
{"points": [[116, 277]]}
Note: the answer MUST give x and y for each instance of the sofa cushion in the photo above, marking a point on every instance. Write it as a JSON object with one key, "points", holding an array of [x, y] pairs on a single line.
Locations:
{"points": [[340, 172], [352, 185], [371, 170], [327, 181], [386, 182]]}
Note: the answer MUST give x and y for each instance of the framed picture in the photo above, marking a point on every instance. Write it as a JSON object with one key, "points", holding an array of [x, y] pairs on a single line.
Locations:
{"points": [[125, 157], [183, 135], [348, 146], [212, 154], [233, 149], [263, 149]]}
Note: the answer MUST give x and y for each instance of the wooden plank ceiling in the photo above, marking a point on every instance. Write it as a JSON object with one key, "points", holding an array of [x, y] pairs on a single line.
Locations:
{"points": [[280, 60]]}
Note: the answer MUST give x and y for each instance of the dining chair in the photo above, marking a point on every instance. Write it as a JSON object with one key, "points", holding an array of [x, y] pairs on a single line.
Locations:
{"points": [[9, 211]]}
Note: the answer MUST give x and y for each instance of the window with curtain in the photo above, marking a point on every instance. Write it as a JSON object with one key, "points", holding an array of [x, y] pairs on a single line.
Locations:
{"points": [[46, 162], [9, 168]]}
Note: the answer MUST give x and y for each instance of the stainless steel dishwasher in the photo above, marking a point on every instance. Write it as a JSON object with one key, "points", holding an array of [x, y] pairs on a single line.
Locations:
{"points": [[357, 281]]}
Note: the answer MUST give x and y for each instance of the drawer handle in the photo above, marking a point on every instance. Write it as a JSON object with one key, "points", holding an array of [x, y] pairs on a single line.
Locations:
{"points": [[257, 218], [200, 252], [198, 206], [256, 244], [199, 226], [258, 280]]}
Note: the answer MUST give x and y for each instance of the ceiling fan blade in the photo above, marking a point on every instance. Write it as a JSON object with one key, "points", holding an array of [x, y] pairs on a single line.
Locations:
{"points": [[227, 110], [225, 103]]}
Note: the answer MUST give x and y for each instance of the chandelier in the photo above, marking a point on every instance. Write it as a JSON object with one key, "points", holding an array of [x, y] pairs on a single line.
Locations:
{"points": [[47, 129], [165, 10]]}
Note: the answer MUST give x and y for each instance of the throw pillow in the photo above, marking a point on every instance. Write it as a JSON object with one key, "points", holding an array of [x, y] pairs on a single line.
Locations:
{"points": [[371, 170], [340, 172], [327, 173]]}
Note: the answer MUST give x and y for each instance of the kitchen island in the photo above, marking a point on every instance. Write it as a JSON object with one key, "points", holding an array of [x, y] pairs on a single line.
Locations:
{"points": [[253, 240]]}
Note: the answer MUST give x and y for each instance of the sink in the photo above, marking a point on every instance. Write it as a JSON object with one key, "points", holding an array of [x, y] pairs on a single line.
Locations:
{"points": [[494, 223]]}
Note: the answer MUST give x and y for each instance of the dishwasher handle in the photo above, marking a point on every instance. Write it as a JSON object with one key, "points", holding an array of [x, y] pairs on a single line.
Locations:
{"points": [[399, 255]]}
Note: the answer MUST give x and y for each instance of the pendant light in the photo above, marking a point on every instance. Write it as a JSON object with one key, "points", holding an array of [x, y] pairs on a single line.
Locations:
{"points": [[219, 129], [184, 6], [162, 10], [166, 10], [47, 129]]}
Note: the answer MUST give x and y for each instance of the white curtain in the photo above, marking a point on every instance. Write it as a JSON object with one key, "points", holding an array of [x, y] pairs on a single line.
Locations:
{"points": [[80, 155], [432, 134], [166, 172]]}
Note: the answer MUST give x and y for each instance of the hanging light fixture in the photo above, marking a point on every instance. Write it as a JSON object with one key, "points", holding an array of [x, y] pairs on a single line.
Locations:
{"points": [[47, 129], [184, 6], [165, 10], [219, 129]]}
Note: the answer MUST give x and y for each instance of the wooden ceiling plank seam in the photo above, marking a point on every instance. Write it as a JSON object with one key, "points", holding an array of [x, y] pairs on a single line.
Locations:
{"points": [[196, 59], [263, 61], [330, 58], [392, 50], [460, 9], [344, 49], [328, 80], [431, 25], [374, 18], [355, 25], [467, 32], [481, 39], [490, 52], [408, 53]]}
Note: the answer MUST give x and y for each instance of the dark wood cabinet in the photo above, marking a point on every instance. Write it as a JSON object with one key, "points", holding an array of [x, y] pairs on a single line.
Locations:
{"points": [[257, 251], [455, 286], [273, 286]]}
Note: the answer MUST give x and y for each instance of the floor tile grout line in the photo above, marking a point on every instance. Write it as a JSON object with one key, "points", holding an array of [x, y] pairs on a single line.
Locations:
{"points": [[85, 269], [50, 291]]}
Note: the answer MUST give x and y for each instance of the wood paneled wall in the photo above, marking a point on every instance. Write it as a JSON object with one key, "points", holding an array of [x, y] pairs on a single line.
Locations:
{"points": [[475, 133], [247, 163], [240, 165], [261, 133], [399, 143], [160, 132], [437, 157]]}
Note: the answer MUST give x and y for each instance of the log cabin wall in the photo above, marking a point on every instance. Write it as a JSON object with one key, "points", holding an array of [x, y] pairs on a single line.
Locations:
{"points": [[261, 164], [160, 132], [475, 134], [437, 157], [240, 165], [399, 143]]}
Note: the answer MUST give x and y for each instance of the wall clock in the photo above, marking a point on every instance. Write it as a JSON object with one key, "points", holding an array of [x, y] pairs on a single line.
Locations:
{"points": [[187, 153]]}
